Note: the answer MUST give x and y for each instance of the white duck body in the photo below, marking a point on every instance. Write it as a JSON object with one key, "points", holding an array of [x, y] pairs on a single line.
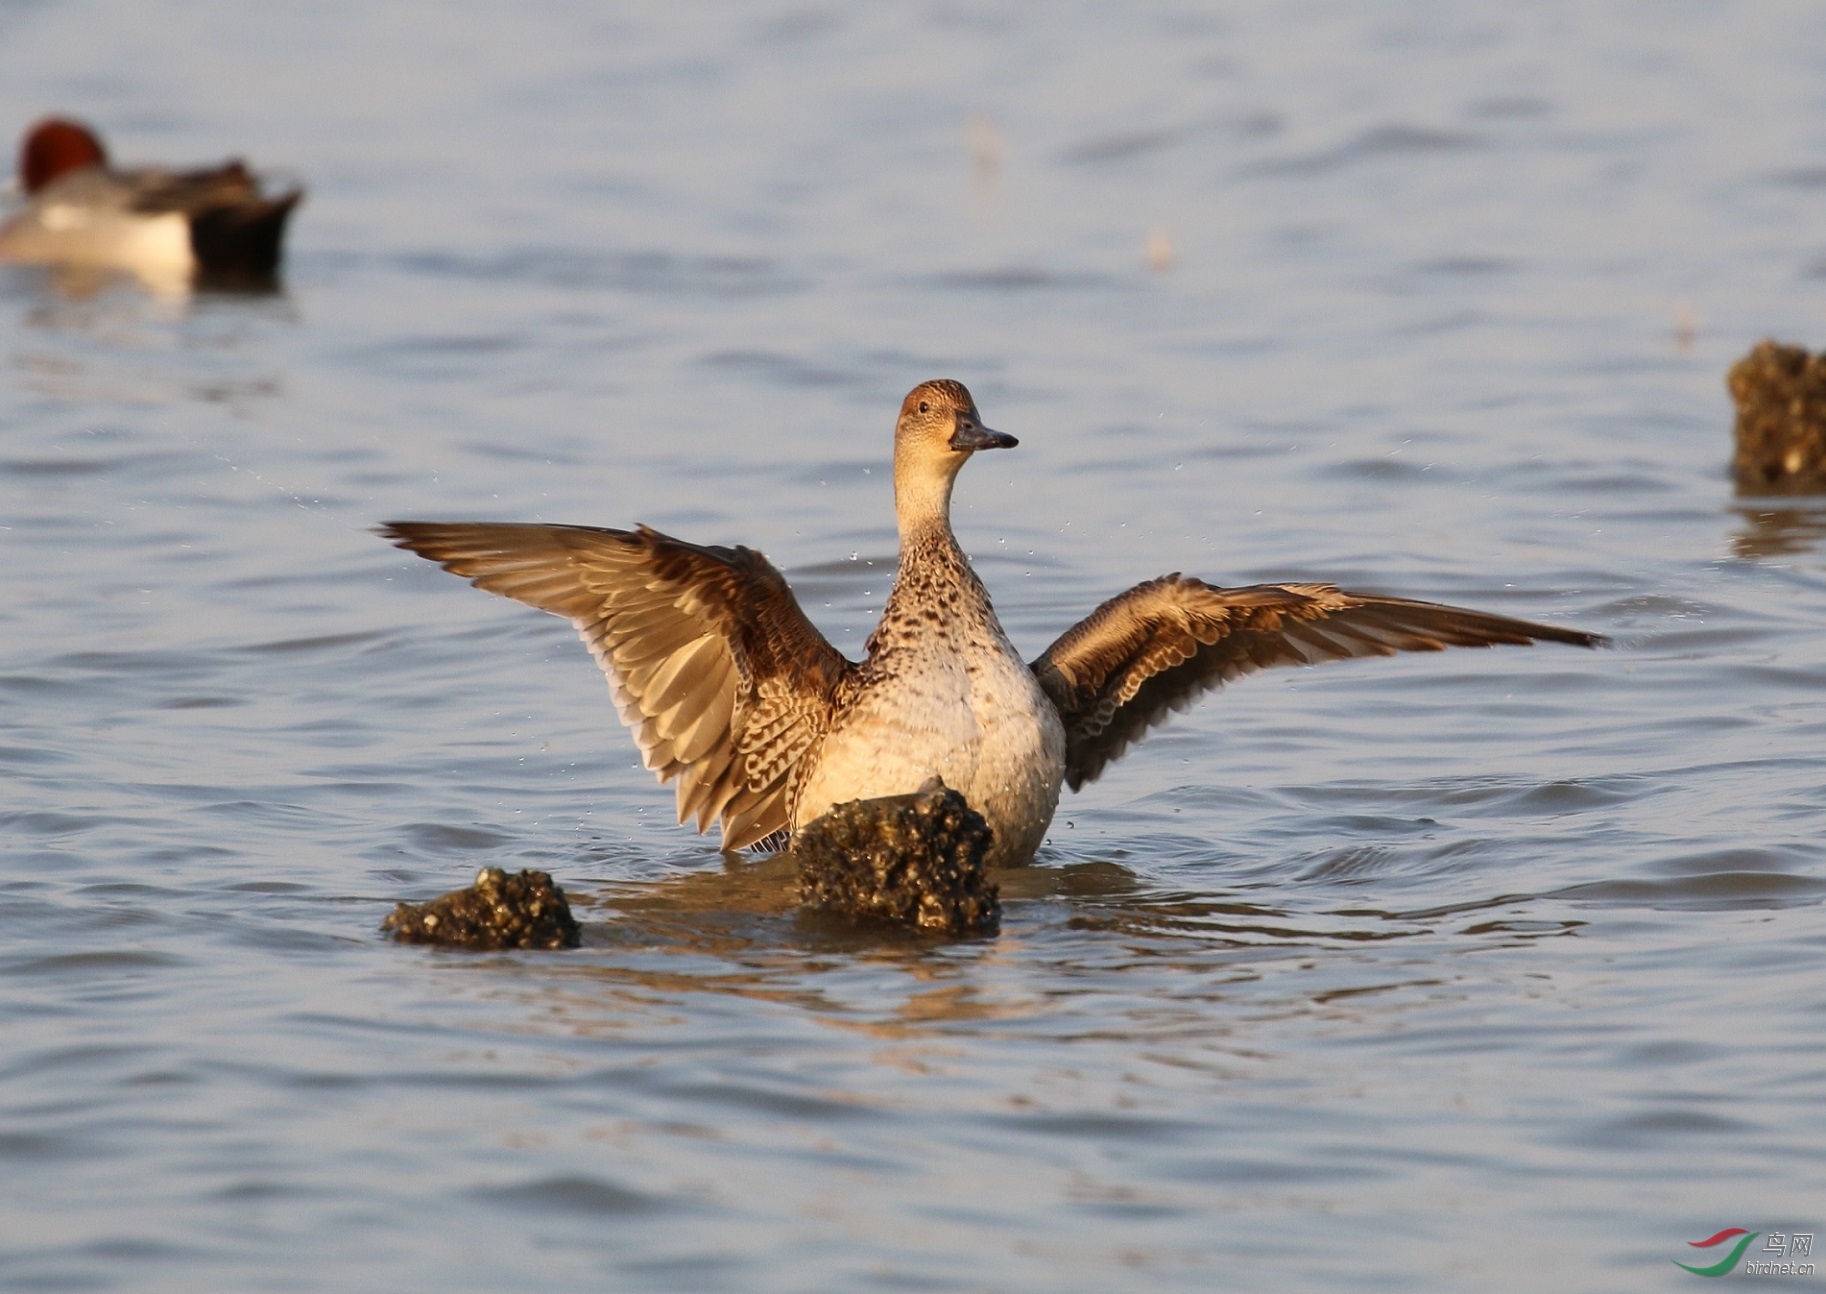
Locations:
{"points": [[88, 218], [945, 693]]}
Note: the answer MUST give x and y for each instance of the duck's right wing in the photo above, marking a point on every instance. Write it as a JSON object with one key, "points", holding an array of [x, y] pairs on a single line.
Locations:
{"points": [[1162, 644], [713, 666]]}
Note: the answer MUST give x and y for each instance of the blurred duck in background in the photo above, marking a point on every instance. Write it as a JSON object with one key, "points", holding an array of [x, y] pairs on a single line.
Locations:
{"points": [[211, 227]]}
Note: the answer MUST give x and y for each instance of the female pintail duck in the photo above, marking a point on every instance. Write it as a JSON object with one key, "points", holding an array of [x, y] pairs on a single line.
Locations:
{"points": [[212, 224], [730, 689]]}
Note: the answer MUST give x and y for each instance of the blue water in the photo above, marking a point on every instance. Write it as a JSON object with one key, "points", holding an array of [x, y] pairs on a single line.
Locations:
{"points": [[1480, 971]]}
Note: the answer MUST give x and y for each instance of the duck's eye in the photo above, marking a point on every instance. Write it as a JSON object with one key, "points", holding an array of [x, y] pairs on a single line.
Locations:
{"points": [[924, 407]]}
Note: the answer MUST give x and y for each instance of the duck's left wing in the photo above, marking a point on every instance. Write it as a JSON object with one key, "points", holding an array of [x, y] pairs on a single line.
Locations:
{"points": [[713, 666], [1156, 648], [155, 191]]}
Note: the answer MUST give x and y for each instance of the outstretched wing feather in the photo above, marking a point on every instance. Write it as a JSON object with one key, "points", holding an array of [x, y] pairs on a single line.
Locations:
{"points": [[711, 663], [1159, 646]]}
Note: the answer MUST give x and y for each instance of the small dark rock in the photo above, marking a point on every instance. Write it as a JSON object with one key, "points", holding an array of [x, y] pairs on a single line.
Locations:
{"points": [[910, 860], [1781, 420], [498, 911]]}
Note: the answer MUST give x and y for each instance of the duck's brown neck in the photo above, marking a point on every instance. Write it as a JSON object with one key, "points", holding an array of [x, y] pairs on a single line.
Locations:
{"points": [[936, 595], [922, 497], [934, 588]]}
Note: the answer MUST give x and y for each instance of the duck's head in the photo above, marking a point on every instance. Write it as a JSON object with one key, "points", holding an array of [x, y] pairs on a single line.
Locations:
{"points": [[938, 431], [939, 422], [54, 147]]}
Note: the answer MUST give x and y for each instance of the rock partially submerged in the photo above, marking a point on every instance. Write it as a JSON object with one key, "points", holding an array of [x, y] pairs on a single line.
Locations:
{"points": [[498, 911], [910, 860], [1781, 419], [914, 861]]}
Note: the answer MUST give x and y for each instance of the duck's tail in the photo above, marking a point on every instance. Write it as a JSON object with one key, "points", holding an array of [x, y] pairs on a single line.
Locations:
{"points": [[238, 244]]}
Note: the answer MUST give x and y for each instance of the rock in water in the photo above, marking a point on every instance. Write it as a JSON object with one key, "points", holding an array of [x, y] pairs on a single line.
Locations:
{"points": [[911, 860], [1781, 419], [498, 911]]}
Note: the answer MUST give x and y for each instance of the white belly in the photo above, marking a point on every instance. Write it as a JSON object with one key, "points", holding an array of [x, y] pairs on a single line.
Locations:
{"points": [[986, 729]]}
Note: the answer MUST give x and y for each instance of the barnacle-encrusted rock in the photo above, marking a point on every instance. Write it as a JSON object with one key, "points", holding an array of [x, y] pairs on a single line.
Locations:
{"points": [[498, 911], [1781, 419], [912, 860]]}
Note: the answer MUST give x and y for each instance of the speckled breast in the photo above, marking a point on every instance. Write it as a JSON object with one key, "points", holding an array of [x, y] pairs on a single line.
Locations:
{"points": [[974, 716]]}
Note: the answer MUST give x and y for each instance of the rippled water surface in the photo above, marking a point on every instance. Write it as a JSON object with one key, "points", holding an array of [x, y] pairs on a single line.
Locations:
{"points": [[1481, 971]]}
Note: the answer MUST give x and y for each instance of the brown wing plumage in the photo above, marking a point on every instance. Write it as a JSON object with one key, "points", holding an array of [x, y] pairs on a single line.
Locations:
{"points": [[1156, 648], [713, 666], [188, 192]]}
